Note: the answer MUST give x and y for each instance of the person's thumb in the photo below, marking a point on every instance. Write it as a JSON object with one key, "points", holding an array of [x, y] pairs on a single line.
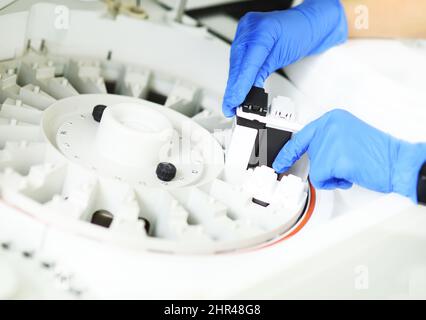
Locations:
{"points": [[294, 148], [263, 74]]}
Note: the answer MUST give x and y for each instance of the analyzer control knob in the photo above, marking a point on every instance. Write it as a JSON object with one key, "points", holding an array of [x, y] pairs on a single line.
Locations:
{"points": [[166, 171]]}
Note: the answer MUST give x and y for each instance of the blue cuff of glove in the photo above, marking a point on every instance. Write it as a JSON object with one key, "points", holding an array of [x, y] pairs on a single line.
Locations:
{"points": [[328, 23], [406, 170]]}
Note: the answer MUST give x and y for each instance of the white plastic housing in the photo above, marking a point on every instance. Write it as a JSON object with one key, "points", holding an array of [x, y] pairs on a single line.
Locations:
{"points": [[133, 136]]}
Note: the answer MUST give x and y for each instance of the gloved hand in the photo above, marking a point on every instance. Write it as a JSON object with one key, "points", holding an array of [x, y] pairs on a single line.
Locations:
{"points": [[266, 42], [344, 150]]}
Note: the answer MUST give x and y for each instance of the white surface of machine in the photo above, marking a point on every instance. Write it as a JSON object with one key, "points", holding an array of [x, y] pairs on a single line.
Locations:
{"points": [[84, 215]]}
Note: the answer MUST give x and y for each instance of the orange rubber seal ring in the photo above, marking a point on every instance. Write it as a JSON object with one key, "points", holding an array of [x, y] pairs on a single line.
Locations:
{"points": [[305, 219]]}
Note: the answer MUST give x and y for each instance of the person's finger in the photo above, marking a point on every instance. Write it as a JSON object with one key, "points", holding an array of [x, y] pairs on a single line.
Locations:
{"points": [[239, 85], [295, 148], [344, 184], [334, 183], [237, 52], [267, 68], [244, 26]]}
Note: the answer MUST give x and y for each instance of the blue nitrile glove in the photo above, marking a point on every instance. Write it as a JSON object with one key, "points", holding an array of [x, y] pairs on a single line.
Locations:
{"points": [[344, 150], [266, 42]]}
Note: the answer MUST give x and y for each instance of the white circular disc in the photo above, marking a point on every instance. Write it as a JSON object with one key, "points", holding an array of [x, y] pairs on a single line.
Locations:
{"points": [[9, 282]]}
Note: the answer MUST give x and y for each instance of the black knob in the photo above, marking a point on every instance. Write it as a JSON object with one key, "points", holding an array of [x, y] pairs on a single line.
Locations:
{"points": [[166, 171], [98, 111]]}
